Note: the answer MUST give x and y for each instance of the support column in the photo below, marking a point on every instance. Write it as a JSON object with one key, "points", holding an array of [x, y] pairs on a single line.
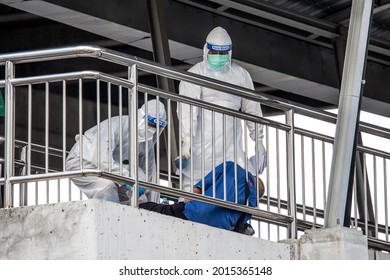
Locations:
{"points": [[162, 55], [349, 106], [336, 242]]}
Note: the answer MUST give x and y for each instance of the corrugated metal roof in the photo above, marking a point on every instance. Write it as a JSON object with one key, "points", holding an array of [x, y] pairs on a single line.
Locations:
{"points": [[319, 9], [326, 11]]}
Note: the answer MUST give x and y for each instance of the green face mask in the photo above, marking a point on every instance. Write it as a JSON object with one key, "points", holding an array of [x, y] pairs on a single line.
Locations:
{"points": [[217, 61]]}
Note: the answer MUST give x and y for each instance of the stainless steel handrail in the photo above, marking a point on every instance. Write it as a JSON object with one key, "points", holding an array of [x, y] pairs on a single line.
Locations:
{"points": [[143, 88], [267, 216], [170, 72]]}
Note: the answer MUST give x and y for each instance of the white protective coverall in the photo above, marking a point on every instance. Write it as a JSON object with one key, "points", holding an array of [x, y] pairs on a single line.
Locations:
{"points": [[100, 188], [231, 73]]}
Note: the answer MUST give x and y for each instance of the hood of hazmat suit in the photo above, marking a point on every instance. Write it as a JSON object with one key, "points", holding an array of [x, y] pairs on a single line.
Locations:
{"points": [[217, 51], [149, 115]]}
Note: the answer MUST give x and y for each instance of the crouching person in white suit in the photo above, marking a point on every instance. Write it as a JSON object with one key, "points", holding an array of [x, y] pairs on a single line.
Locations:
{"points": [[106, 157]]}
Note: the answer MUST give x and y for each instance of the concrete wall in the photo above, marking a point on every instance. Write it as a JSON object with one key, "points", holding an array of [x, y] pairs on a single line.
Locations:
{"points": [[96, 229]]}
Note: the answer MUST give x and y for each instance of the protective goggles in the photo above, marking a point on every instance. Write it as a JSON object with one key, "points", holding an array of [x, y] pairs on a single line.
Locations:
{"points": [[219, 48], [153, 122]]}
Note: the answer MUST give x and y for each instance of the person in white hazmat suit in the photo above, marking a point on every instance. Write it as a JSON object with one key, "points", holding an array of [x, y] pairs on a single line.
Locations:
{"points": [[217, 64], [109, 150]]}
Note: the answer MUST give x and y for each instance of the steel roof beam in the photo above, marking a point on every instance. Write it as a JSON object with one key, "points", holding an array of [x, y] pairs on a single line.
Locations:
{"points": [[270, 12]]}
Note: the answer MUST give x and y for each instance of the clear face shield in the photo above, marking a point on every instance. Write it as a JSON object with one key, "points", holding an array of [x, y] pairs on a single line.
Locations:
{"points": [[218, 56], [146, 132]]}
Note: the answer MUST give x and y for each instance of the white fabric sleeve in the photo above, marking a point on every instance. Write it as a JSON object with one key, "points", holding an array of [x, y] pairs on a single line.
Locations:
{"points": [[253, 108], [193, 91], [107, 139]]}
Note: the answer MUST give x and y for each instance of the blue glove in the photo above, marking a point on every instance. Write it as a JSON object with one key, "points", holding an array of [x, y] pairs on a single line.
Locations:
{"points": [[141, 191]]}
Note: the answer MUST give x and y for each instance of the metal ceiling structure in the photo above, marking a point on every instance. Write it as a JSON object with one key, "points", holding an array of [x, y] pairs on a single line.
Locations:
{"points": [[293, 49]]}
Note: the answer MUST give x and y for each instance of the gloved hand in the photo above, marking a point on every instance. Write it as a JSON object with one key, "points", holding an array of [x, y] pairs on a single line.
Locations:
{"points": [[125, 191], [141, 191], [184, 162], [186, 148], [262, 158]]}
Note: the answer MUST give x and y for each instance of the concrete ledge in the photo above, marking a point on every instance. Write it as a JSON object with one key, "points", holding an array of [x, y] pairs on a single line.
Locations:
{"points": [[336, 243], [95, 229], [294, 248]]}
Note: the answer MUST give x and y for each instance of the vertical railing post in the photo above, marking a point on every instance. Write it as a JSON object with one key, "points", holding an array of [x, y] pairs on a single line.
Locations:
{"points": [[24, 171], [1, 187], [134, 135], [292, 206], [2, 197], [9, 133]]}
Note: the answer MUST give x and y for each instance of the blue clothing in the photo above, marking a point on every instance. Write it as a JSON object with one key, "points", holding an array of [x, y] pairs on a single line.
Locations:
{"points": [[217, 216]]}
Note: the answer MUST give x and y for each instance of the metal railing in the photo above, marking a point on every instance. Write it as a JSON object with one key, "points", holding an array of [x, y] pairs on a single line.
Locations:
{"points": [[298, 158]]}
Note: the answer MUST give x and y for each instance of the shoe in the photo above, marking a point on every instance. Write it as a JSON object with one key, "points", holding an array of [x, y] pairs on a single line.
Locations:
{"points": [[248, 230]]}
